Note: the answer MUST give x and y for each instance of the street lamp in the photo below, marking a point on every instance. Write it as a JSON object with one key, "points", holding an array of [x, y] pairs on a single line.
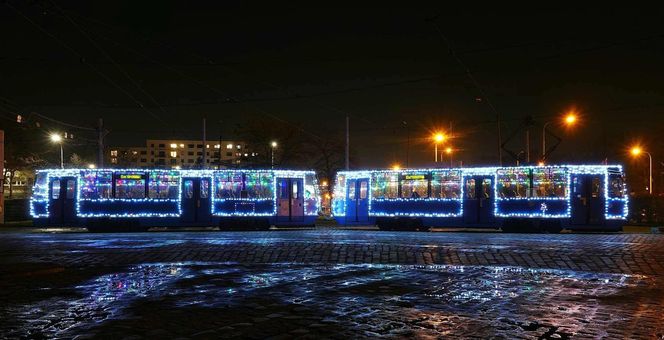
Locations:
{"points": [[569, 120], [636, 151], [273, 146], [449, 151], [56, 138], [437, 138]]}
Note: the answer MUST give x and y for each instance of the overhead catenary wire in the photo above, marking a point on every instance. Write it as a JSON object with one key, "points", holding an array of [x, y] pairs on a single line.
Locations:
{"points": [[475, 83]]}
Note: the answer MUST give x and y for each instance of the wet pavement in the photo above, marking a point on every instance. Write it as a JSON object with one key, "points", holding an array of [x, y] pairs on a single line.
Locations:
{"points": [[330, 283]]}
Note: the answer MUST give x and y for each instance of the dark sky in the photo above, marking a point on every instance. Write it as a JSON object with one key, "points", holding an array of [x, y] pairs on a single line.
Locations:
{"points": [[230, 61]]}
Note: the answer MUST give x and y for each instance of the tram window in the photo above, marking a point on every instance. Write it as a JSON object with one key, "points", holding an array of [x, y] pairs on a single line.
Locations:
{"points": [[283, 189], [163, 184], [446, 184], [188, 188], [596, 185], [40, 189], [310, 194], [513, 183], [616, 187], [71, 189], [470, 188], [486, 188], [228, 185], [385, 185], [296, 189], [96, 184], [351, 190], [55, 189], [259, 185], [130, 185], [549, 182], [414, 186], [205, 188], [363, 190]]}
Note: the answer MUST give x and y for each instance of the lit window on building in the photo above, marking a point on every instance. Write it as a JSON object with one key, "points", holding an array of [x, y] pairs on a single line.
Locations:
{"points": [[239, 146], [114, 153], [217, 146], [246, 154], [174, 154], [134, 152], [182, 145], [207, 146], [174, 146], [229, 146], [114, 160]]}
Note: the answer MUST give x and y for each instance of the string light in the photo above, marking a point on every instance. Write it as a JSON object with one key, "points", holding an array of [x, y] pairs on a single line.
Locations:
{"points": [[98, 207], [504, 207]]}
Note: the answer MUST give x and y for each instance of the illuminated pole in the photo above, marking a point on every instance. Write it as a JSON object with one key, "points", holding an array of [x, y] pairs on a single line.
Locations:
{"points": [[637, 151], [56, 138], [273, 145], [437, 138], [544, 141]]}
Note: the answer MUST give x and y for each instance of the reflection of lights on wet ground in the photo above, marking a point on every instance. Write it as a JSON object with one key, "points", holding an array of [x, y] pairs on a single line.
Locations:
{"points": [[375, 292]]}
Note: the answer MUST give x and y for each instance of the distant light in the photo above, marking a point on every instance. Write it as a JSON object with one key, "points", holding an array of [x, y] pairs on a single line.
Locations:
{"points": [[439, 137], [323, 183], [91, 166], [273, 144], [636, 150], [541, 163], [448, 150], [396, 167], [177, 167], [56, 138]]}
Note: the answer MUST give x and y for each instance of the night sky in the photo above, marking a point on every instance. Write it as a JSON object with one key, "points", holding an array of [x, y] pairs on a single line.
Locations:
{"points": [[310, 66]]}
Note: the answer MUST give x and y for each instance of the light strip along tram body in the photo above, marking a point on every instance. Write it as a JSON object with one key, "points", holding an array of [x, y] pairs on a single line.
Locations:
{"points": [[526, 198], [136, 199]]}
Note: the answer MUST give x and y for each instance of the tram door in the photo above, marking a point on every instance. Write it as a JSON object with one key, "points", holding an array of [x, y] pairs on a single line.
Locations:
{"points": [[357, 202], [291, 200], [62, 205], [478, 200], [587, 200], [196, 203]]}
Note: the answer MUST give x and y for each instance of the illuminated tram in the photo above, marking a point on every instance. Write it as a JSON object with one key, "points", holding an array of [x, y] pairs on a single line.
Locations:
{"points": [[526, 198], [136, 199]]}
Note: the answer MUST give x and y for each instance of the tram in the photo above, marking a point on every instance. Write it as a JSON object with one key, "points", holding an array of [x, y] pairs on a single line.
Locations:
{"points": [[136, 199], [516, 199]]}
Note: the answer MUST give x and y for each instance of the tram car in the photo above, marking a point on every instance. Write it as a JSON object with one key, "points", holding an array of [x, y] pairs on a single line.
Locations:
{"points": [[136, 199], [516, 199]]}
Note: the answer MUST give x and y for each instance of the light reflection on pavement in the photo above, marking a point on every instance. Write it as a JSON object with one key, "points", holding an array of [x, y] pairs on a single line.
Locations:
{"points": [[330, 283], [363, 300]]}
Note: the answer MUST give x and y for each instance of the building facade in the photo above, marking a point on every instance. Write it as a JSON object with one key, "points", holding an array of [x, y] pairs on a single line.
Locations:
{"points": [[182, 154]]}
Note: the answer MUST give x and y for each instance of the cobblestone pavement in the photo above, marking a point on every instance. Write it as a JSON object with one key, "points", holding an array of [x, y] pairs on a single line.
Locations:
{"points": [[330, 283]]}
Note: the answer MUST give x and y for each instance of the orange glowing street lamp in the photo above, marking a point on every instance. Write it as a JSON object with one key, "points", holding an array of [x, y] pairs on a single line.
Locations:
{"points": [[570, 119], [437, 138], [449, 151], [636, 151]]}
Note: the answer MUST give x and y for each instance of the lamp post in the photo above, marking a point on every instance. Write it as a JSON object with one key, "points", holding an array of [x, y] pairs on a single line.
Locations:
{"points": [[56, 138], [437, 138], [449, 151], [273, 145], [636, 151], [569, 120]]}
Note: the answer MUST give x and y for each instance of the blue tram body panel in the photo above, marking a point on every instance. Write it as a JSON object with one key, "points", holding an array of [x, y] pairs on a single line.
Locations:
{"points": [[574, 196], [162, 197]]}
